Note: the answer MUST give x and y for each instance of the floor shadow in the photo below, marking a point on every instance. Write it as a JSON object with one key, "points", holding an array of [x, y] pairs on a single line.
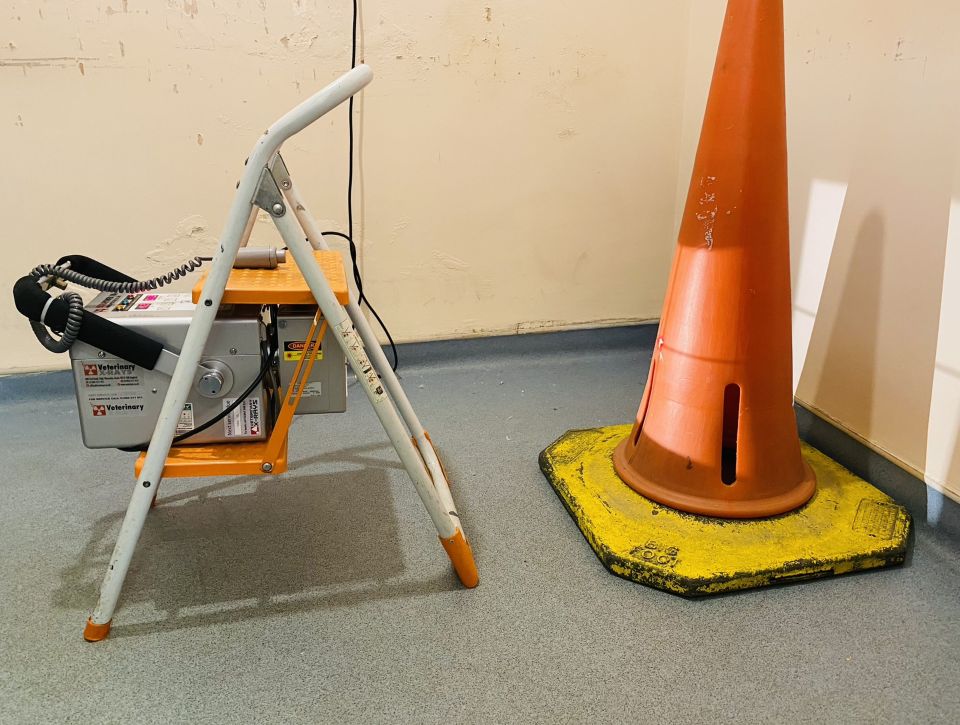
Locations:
{"points": [[257, 547], [309, 601]]}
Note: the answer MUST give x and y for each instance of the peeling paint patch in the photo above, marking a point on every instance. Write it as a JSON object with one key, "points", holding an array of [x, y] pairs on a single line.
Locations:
{"points": [[66, 61], [301, 39], [709, 207], [83, 72], [450, 262], [199, 139], [191, 237], [123, 50]]}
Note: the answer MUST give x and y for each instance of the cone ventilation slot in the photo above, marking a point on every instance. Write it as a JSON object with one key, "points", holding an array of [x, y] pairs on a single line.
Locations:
{"points": [[731, 425]]}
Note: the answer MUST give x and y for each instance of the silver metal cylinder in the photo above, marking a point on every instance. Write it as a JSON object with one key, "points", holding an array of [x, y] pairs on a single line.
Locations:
{"points": [[259, 258]]}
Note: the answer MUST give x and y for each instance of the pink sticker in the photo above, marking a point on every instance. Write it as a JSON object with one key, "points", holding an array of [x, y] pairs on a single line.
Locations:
{"points": [[143, 306], [150, 298]]}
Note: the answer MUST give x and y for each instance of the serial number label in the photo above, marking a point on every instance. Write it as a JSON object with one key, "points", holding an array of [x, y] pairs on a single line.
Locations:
{"points": [[876, 518], [653, 552]]}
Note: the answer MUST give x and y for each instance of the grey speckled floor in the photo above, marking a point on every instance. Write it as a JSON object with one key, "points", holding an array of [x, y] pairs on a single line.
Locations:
{"points": [[324, 596]]}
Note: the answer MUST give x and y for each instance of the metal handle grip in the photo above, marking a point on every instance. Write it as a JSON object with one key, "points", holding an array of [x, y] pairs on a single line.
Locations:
{"points": [[320, 103]]}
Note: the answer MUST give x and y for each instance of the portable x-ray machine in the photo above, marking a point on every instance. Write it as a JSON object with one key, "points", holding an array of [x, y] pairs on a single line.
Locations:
{"points": [[273, 317]]}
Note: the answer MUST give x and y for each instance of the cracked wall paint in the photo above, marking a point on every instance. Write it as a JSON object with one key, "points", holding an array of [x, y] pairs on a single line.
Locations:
{"points": [[485, 171]]}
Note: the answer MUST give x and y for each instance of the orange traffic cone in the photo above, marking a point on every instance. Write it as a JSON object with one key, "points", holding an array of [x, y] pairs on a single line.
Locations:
{"points": [[716, 433]]}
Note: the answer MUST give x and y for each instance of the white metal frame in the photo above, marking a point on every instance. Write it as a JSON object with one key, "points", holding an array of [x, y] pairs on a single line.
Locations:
{"points": [[381, 386]]}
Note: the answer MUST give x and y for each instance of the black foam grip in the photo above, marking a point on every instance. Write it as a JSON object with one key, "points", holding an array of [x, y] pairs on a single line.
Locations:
{"points": [[93, 268], [29, 298], [95, 330]]}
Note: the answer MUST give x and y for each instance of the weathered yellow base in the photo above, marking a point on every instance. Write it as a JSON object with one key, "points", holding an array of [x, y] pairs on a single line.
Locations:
{"points": [[847, 526]]}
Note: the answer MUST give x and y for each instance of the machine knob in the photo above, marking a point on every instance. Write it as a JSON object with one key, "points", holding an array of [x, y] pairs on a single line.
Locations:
{"points": [[210, 384]]}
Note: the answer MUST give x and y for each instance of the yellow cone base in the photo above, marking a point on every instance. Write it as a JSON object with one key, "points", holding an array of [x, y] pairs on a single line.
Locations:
{"points": [[94, 632], [847, 526]]}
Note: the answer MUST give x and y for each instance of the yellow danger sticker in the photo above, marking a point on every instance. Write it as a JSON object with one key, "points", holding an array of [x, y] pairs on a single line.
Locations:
{"points": [[293, 351]]}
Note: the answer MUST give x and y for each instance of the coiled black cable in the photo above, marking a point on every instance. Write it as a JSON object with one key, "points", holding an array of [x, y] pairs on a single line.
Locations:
{"points": [[75, 314], [70, 330], [103, 285]]}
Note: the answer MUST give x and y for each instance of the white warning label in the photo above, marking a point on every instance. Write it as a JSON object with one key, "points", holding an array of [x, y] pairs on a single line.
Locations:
{"points": [[185, 424], [360, 362], [164, 302], [244, 421], [107, 302], [112, 388], [115, 375], [111, 408], [310, 390]]}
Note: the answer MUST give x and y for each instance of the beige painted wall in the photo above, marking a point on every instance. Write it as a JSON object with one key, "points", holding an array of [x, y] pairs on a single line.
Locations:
{"points": [[523, 168], [875, 194], [518, 158]]}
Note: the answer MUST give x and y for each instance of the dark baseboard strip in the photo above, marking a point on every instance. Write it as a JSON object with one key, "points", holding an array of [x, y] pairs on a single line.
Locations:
{"points": [[926, 505], [441, 352], [34, 386]]}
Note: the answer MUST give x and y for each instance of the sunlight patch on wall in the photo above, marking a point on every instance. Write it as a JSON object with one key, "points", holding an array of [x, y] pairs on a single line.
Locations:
{"points": [[943, 431], [811, 261]]}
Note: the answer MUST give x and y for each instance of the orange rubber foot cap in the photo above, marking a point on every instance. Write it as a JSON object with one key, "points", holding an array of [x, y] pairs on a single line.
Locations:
{"points": [[94, 632], [461, 556]]}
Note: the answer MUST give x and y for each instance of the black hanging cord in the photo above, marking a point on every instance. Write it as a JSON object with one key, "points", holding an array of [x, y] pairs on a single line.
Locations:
{"points": [[363, 299]]}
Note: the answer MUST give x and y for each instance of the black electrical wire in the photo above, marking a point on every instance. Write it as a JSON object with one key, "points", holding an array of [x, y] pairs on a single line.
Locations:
{"points": [[267, 360], [363, 299]]}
